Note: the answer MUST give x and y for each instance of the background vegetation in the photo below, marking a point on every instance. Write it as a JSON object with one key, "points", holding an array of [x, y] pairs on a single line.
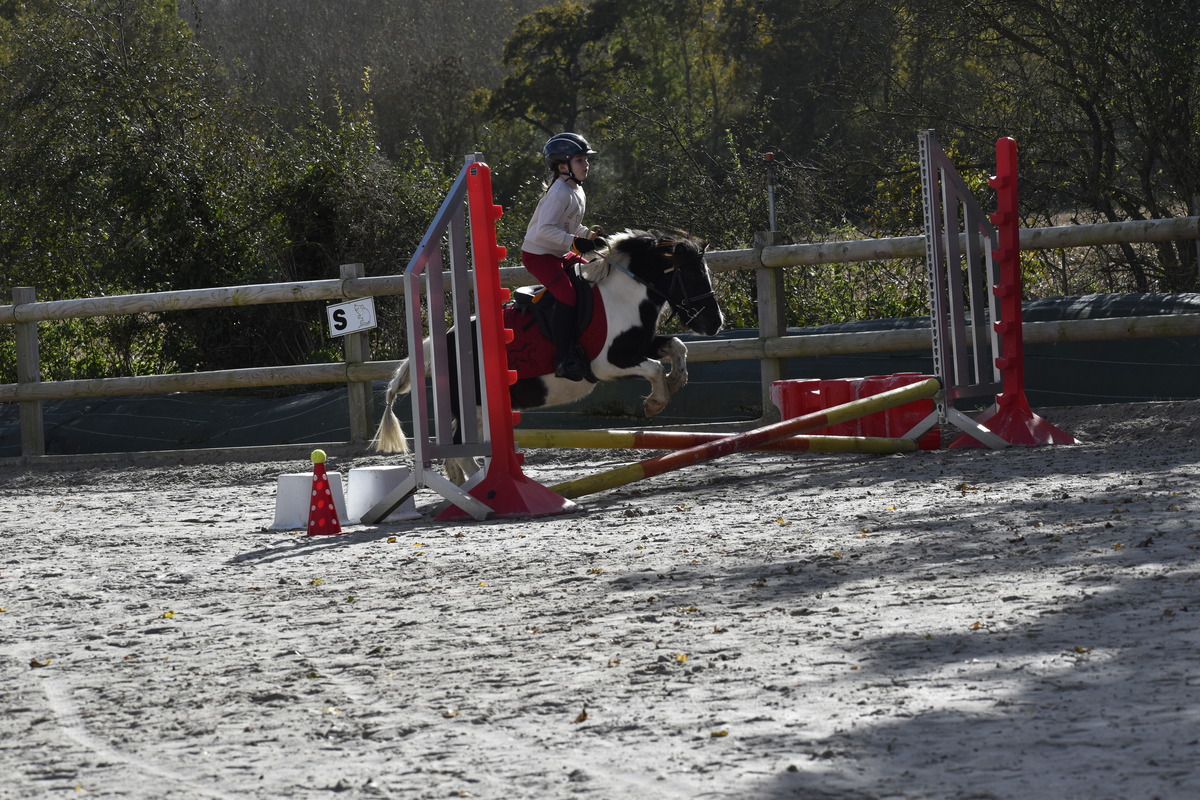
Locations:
{"points": [[149, 145]]}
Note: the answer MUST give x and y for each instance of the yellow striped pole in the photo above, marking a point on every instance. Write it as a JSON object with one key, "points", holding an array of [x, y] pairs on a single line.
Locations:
{"points": [[744, 441], [679, 440]]}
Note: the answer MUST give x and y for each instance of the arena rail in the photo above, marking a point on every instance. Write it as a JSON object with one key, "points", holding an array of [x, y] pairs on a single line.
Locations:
{"points": [[358, 371]]}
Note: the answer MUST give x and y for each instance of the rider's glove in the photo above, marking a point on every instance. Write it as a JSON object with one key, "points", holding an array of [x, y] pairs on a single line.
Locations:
{"points": [[583, 245]]}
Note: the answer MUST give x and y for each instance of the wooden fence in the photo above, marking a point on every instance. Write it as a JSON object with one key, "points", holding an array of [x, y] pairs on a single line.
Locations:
{"points": [[767, 258]]}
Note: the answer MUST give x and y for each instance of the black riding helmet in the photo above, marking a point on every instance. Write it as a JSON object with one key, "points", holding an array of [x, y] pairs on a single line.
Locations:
{"points": [[560, 148]]}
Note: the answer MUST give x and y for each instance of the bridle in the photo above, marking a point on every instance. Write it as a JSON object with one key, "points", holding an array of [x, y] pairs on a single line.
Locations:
{"points": [[686, 308]]}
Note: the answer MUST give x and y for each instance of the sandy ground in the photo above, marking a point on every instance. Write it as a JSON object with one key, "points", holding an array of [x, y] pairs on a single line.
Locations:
{"points": [[951, 624]]}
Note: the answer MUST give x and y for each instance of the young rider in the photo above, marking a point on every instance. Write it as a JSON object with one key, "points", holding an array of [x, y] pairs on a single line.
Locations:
{"points": [[555, 240]]}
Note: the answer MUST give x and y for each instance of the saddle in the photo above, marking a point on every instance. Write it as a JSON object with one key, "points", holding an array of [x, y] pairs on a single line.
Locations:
{"points": [[537, 303], [529, 314]]}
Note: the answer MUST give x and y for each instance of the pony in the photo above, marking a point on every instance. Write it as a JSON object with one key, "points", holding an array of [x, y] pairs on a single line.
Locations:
{"points": [[627, 289]]}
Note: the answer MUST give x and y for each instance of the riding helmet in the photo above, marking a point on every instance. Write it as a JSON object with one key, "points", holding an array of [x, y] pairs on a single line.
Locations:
{"points": [[562, 146]]}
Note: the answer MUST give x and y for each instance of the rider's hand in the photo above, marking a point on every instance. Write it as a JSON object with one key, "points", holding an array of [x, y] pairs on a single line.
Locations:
{"points": [[583, 245]]}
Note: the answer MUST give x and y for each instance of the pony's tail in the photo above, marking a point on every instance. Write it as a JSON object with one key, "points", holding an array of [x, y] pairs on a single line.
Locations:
{"points": [[389, 437]]}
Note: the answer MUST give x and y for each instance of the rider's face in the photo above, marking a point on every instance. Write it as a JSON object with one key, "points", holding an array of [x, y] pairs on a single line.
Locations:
{"points": [[579, 166]]}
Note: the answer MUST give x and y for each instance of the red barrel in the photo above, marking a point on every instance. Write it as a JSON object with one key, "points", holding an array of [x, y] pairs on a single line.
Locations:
{"points": [[795, 398]]}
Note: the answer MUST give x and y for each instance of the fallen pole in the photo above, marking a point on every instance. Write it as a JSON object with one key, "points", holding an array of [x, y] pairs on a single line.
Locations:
{"points": [[739, 442], [679, 440]]}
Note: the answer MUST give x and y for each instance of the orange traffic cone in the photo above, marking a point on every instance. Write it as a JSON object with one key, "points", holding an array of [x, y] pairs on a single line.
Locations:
{"points": [[322, 513]]}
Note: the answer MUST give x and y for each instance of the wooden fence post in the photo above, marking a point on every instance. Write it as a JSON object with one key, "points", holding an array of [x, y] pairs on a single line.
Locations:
{"points": [[357, 350], [1193, 211], [33, 435], [772, 318]]}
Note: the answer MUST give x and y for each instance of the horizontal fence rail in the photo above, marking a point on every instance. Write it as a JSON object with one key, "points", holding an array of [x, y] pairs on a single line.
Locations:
{"points": [[795, 255], [771, 257], [826, 344], [765, 259], [800, 346], [252, 377]]}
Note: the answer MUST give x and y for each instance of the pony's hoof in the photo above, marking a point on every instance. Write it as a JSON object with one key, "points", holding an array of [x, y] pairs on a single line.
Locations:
{"points": [[653, 408]]}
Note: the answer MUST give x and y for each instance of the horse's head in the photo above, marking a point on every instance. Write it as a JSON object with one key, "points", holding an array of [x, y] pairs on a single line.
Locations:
{"points": [[672, 268], [686, 283]]}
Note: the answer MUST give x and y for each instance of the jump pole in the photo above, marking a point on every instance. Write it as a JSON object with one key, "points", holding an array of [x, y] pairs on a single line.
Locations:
{"points": [[679, 440], [739, 442]]}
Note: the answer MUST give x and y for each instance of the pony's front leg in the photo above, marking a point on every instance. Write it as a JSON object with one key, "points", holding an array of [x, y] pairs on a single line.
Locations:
{"points": [[674, 352], [651, 369], [654, 372]]}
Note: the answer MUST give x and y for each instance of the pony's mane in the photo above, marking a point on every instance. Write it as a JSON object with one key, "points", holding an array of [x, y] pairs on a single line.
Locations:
{"points": [[622, 246]]}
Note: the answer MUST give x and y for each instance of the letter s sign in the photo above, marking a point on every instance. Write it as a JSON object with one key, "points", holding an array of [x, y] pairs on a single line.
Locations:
{"points": [[351, 317]]}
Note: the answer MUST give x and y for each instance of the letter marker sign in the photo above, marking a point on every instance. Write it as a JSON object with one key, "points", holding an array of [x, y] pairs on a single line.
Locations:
{"points": [[352, 316]]}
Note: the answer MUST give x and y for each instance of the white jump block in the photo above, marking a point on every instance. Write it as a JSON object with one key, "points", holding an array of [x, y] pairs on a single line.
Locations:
{"points": [[369, 485], [293, 495]]}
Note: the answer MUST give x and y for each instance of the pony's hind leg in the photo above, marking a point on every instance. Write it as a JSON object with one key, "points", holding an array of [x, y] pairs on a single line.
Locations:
{"points": [[460, 470]]}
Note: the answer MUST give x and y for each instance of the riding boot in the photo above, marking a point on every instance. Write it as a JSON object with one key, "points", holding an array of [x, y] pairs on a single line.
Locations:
{"points": [[570, 360]]}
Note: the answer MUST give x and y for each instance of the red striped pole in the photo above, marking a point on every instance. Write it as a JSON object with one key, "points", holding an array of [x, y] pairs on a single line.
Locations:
{"points": [[739, 442], [679, 440]]}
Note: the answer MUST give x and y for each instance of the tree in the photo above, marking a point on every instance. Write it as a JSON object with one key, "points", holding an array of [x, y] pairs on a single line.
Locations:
{"points": [[426, 58], [1101, 97], [556, 61], [118, 156], [1112, 111], [660, 85], [128, 164]]}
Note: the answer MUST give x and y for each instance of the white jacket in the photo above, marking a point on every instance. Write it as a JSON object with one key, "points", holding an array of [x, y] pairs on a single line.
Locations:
{"points": [[557, 220]]}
